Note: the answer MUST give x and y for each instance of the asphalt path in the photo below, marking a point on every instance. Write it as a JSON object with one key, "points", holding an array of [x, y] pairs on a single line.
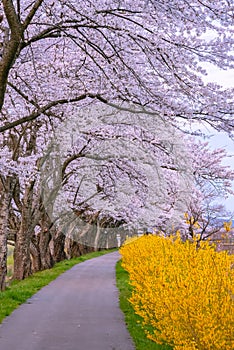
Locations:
{"points": [[77, 311]]}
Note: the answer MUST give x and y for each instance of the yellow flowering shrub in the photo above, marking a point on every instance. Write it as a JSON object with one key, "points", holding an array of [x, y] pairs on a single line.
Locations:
{"points": [[228, 226], [130, 239], [184, 295]]}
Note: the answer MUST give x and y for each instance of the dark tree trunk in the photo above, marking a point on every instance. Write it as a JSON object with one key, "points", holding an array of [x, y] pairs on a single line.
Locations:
{"points": [[76, 249], [47, 260], [35, 255], [22, 259], [3, 240], [97, 237], [41, 255], [6, 190], [59, 246]]}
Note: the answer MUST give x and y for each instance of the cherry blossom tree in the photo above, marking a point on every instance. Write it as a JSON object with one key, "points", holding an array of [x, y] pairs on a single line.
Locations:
{"points": [[109, 163], [213, 184], [120, 166], [148, 52], [59, 56]]}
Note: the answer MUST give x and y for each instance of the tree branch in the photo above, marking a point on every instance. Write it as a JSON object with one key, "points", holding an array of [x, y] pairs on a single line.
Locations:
{"points": [[32, 13], [12, 45], [45, 108]]}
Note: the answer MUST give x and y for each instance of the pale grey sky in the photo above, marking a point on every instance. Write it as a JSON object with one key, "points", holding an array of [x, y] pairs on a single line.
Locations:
{"points": [[226, 79]]}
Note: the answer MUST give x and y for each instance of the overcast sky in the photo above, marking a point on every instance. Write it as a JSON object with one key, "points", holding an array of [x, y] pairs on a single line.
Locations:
{"points": [[225, 78]]}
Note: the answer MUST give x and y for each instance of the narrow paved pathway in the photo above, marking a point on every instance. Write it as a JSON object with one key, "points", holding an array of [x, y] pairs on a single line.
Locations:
{"points": [[77, 311]]}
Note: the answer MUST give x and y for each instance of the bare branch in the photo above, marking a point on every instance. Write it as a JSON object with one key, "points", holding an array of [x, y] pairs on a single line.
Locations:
{"points": [[11, 49], [32, 13], [45, 108]]}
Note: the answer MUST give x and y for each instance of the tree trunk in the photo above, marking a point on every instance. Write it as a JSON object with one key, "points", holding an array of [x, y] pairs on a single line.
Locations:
{"points": [[22, 259], [3, 238], [97, 236], [47, 260], [59, 246], [35, 254], [76, 249], [41, 255], [6, 189]]}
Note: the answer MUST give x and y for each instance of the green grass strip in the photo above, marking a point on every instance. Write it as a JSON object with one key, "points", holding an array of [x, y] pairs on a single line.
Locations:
{"points": [[132, 320], [19, 291]]}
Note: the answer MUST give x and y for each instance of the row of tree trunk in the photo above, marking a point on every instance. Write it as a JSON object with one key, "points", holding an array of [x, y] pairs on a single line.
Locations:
{"points": [[38, 242]]}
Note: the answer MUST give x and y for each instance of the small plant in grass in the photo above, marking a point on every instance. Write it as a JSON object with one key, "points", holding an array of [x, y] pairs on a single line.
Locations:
{"points": [[19, 291]]}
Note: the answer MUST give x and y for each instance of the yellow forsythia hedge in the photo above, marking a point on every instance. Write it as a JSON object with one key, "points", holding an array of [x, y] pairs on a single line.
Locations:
{"points": [[184, 294]]}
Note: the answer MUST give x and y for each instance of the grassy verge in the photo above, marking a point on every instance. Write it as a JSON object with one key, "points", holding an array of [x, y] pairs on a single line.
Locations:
{"points": [[19, 291], [132, 320]]}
